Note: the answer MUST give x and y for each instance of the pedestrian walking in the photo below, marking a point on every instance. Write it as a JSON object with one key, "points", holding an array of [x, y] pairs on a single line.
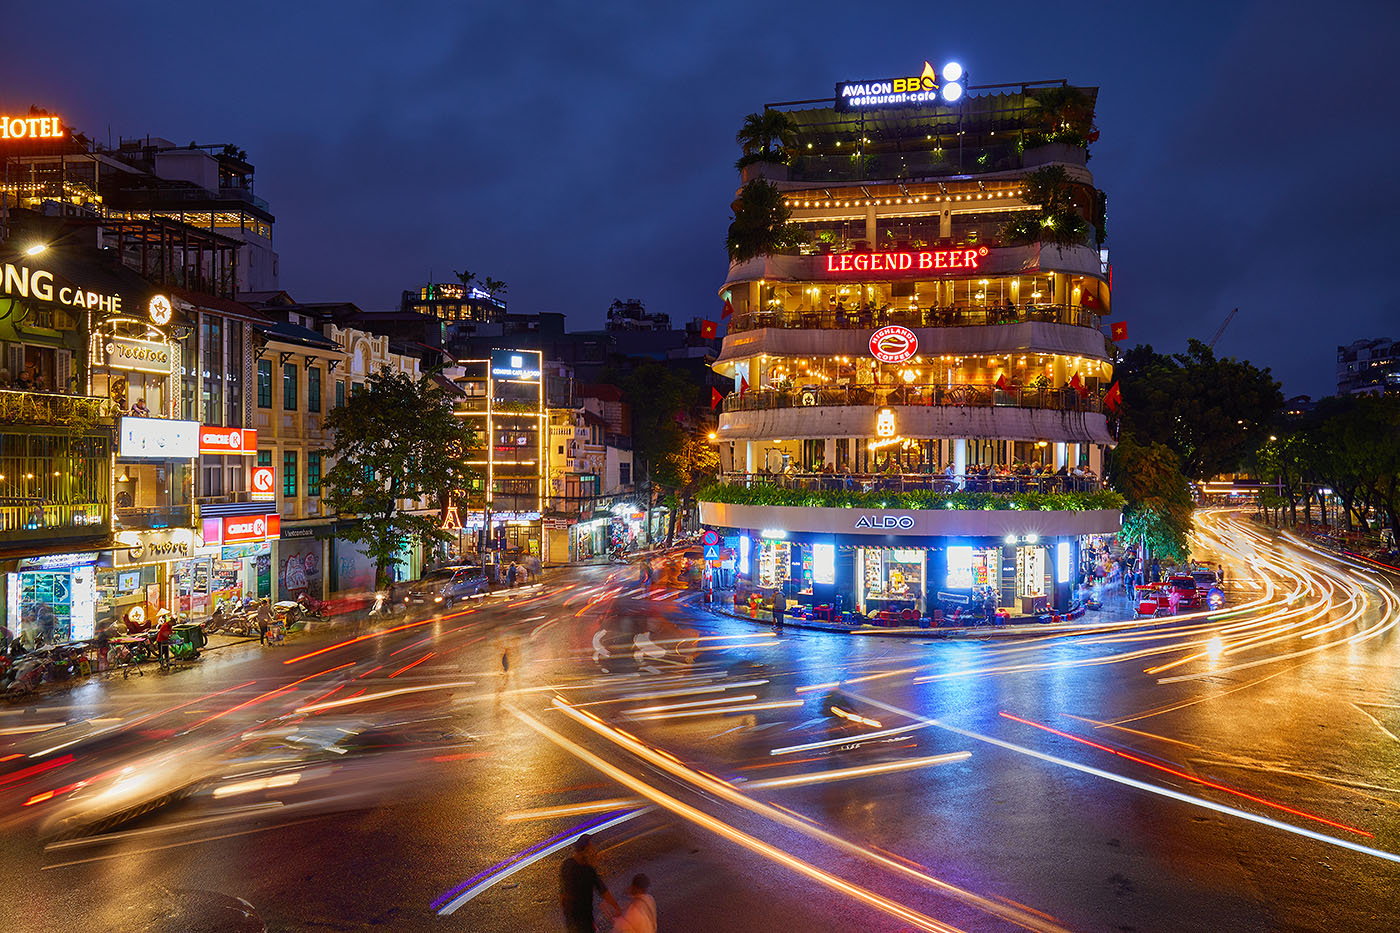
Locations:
{"points": [[511, 572], [263, 616], [639, 916], [578, 879], [779, 608], [167, 624], [1155, 575]]}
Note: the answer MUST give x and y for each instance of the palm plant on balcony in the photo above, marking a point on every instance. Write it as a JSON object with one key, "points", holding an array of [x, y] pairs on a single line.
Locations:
{"points": [[1062, 115], [760, 225], [766, 137], [1058, 219]]}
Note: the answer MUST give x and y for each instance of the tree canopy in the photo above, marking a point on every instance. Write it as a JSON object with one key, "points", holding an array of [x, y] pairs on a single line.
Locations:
{"points": [[398, 440], [1159, 504], [766, 137], [760, 224], [1214, 413]]}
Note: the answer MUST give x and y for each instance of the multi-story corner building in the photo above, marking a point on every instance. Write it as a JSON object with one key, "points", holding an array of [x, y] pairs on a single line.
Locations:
{"points": [[1368, 367], [901, 366], [503, 399]]}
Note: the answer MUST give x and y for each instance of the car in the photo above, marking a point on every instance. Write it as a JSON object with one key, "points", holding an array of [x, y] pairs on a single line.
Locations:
{"points": [[445, 586], [1205, 579], [1184, 585]]}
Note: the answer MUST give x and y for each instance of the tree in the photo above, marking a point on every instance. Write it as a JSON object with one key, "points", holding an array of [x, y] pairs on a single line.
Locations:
{"points": [[398, 440], [670, 451], [760, 224], [1060, 219], [1062, 115], [466, 278], [496, 287], [1212, 412], [766, 137], [1159, 504]]}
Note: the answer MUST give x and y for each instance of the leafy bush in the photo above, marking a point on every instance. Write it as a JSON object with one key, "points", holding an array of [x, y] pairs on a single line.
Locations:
{"points": [[918, 499]]}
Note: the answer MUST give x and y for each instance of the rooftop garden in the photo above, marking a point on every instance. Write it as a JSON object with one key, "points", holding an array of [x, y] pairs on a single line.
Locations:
{"points": [[922, 499]]}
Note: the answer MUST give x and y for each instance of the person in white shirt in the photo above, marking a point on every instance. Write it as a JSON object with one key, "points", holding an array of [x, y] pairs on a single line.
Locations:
{"points": [[639, 916]]}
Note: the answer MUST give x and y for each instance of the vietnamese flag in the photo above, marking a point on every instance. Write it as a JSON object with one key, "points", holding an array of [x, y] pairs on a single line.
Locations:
{"points": [[1002, 384], [743, 386], [1077, 385], [728, 310], [708, 329], [1113, 397], [1120, 331], [715, 398]]}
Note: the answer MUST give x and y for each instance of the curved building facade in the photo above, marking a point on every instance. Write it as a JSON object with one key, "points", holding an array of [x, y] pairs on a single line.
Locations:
{"points": [[918, 420]]}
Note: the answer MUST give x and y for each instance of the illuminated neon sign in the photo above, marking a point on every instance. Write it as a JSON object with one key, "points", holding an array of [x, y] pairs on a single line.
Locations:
{"points": [[893, 344], [919, 260], [925, 88], [30, 128]]}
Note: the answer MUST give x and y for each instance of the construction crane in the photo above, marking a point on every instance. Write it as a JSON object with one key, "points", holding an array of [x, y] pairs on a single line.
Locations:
{"points": [[1228, 318]]}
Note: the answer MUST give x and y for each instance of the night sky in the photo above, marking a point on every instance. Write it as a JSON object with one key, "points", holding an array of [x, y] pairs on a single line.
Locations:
{"points": [[584, 152]]}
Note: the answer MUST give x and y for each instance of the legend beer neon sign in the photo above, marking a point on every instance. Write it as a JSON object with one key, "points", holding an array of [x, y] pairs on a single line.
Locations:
{"points": [[967, 258]]}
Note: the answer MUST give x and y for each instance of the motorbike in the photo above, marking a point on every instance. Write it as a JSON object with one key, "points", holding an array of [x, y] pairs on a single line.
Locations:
{"points": [[311, 608]]}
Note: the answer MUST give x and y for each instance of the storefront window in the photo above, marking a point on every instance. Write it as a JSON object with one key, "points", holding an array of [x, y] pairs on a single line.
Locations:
{"points": [[313, 390], [51, 606], [890, 579], [774, 563], [212, 332], [1030, 570]]}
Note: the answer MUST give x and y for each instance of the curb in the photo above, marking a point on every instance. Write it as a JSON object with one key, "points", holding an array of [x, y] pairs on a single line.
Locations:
{"points": [[979, 633]]}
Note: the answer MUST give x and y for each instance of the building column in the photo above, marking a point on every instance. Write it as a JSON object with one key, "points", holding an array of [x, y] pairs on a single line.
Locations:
{"points": [[960, 457], [1096, 459], [1060, 453], [749, 457], [945, 224], [829, 451], [871, 227]]}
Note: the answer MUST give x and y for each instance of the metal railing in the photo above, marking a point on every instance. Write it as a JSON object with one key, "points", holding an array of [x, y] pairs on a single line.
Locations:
{"points": [[23, 407], [914, 482], [956, 316], [956, 396]]}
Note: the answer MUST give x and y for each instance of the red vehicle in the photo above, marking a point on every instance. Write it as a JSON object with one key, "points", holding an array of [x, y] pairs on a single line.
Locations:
{"points": [[1184, 585]]}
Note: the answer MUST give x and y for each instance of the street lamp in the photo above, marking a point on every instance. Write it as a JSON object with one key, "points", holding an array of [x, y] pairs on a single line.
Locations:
{"points": [[36, 249]]}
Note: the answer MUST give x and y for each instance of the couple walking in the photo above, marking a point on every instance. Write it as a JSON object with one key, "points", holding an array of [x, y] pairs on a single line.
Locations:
{"points": [[578, 879]]}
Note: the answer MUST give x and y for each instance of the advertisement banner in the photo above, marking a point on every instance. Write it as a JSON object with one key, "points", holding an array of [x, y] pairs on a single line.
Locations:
{"points": [[234, 441], [158, 439], [262, 484], [238, 529]]}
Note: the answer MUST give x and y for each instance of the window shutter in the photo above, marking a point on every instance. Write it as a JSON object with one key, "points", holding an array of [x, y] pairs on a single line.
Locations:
{"points": [[15, 358], [63, 369]]}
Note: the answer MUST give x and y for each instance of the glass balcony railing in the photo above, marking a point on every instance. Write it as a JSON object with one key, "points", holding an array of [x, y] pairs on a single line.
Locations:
{"points": [[960, 396], [149, 518], [957, 316], [938, 481]]}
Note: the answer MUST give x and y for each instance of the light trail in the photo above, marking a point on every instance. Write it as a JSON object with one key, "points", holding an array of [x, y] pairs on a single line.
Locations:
{"points": [[705, 821], [1186, 776], [719, 710], [383, 695], [388, 631], [1149, 788], [484, 880]]}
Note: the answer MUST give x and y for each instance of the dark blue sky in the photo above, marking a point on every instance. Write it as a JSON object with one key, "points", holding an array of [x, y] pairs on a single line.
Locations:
{"points": [[584, 152]]}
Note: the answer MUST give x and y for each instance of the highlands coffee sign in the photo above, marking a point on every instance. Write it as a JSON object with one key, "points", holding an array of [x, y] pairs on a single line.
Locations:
{"points": [[910, 262]]}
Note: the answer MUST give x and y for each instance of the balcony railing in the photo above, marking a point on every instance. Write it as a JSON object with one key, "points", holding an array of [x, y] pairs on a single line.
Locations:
{"points": [[867, 319], [145, 519], [940, 482], [79, 411], [957, 396]]}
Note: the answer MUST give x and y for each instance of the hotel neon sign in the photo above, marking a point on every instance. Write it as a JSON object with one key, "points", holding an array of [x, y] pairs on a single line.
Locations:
{"points": [[919, 260], [30, 128]]}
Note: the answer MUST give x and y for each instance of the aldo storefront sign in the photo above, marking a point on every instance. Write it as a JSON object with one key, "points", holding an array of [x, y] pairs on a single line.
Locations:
{"points": [[885, 522]]}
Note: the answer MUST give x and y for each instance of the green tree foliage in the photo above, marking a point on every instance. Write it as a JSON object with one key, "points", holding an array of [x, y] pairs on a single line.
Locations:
{"points": [[670, 449], [766, 137], [1350, 444], [1214, 413], [1062, 115], [1060, 218], [1158, 497], [760, 225], [397, 440]]}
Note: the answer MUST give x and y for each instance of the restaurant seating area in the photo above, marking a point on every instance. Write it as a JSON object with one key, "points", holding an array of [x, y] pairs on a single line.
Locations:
{"points": [[958, 315], [970, 395], [1020, 478]]}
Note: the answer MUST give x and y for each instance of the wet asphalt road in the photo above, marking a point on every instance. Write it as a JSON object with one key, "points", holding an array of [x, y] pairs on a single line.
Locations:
{"points": [[1180, 799]]}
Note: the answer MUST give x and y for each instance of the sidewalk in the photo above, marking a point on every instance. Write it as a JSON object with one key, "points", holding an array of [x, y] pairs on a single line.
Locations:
{"points": [[1116, 610]]}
